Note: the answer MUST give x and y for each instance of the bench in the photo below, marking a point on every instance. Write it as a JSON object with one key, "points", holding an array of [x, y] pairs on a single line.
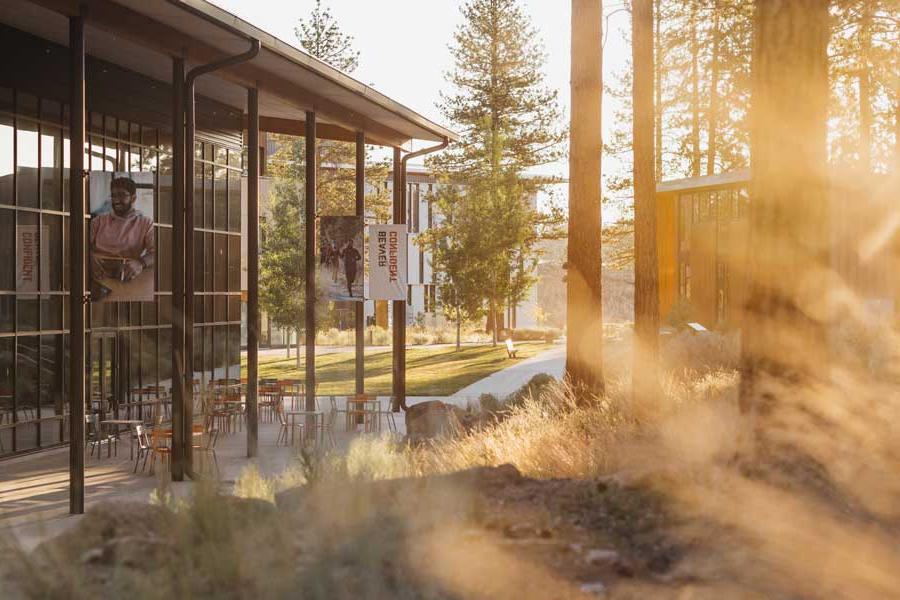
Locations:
{"points": [[510, 348]]}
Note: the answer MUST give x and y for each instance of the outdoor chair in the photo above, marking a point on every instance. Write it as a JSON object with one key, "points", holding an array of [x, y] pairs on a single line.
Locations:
{"points": [[144, 448], [293, 390], [158, 447], [388, 416], [95, 437], [284, 431], [207, 450], [269, 399]]}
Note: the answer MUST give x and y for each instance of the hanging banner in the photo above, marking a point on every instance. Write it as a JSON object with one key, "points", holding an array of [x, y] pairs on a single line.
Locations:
{"points": [[387, 262], [122, 248], [341, 258]]}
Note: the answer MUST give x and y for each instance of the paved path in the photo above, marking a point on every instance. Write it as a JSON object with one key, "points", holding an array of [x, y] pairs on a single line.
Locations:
{"points": [[505, 382]]}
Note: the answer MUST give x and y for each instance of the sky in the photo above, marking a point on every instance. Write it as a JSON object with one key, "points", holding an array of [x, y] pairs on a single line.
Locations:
{"points": [[404, 50]]}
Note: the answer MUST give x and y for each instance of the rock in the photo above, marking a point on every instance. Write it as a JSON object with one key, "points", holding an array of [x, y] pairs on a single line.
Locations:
{"points": [[595, 587], [432, 419], [601, 556]]}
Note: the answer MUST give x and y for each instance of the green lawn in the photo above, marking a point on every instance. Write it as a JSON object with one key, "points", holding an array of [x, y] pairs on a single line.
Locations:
{"points": [[431, 371]]}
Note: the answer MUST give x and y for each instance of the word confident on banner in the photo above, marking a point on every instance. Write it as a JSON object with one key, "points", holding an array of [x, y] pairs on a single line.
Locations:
{"points": [[387, 269]]}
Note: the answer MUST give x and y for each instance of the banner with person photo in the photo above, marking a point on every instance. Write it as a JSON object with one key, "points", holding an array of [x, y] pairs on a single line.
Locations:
{"points": [[122, 240], [341, 264]]}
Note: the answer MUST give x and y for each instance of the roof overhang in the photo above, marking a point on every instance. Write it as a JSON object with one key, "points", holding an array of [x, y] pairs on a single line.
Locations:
{"points": [[144, 36], [707, 181]]}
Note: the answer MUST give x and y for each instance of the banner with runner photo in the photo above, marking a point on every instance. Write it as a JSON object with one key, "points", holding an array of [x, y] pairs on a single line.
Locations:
{"points": [[341, 266], [387, 262], [122, 240]]}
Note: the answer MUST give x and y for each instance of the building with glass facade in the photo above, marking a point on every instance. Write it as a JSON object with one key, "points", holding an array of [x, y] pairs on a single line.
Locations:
{"points": [[133, 50]]}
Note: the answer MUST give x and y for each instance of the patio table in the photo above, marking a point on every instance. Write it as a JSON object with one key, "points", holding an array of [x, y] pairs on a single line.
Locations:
{"points": [[116, 423]]}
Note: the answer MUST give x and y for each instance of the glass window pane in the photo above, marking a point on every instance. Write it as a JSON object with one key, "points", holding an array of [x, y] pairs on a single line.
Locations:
{"points": [[27, 359], [234, 351], [165, 357], [51, 312], [234, 158], [221, 308], [165, 309], [208, 261], [198, 352], [198, 261], [234, 201], [198, 193], [148, 357], [51, 247], [26, 163], [208, 196], [221, 155], [51, 384], [221, 199], [234, 308], [7, 137], [51, 168], [164, 259], [7, 248], [234, 263], [7, 395], [7, 313], [220, 345], [221, 262], [198, 310]]}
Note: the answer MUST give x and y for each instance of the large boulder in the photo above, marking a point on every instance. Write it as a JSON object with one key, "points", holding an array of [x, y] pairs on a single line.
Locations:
{"points": [[432, 419]]}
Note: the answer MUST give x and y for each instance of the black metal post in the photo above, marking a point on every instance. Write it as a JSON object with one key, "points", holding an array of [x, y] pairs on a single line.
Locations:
{"points": [[399, 306], [77, 265], [310, 231], [189, 141], [360, 306], [252, 271], [178, 378]]}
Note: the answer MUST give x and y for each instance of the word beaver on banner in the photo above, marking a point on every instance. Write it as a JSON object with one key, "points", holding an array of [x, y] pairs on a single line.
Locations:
{"points": [[387, 273]]}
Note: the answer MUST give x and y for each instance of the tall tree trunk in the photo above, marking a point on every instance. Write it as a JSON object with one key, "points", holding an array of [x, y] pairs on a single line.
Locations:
{"points": [[865, 88], [695, 92], [286, 334], [584, 319], [784, 343], [713, 125], [645, 379], [297, 348], [458, 328], [658, 88]]}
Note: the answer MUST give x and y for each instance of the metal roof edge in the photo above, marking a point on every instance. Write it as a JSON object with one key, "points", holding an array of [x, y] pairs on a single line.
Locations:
{"points": [[729, 178], [302, 59]]}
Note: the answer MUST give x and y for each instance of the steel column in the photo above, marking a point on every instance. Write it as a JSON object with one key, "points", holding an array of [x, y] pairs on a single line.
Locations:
{"points": [[252, 271], [360, 306], [77, 174], [189, 141], [399, 306], [178, 365], [310, 256]]}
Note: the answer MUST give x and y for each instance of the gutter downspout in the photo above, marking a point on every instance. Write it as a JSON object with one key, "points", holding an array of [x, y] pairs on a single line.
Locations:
{"points": [[187, 303], [400, 335]]}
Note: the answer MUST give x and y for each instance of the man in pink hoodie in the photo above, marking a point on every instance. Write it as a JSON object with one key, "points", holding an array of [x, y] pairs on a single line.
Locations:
{"points": [[122, 241]]}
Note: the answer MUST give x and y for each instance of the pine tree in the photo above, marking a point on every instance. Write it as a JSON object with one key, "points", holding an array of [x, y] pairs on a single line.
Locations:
{"points": [[281, 258], [584, 327], [509, 117], [322, 38], [646, 275], [784, 341]]}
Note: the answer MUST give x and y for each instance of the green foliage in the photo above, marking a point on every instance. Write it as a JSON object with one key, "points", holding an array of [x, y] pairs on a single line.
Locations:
{"points": [[530, 390], [487, 251], [282, 260], [321, 37], [546, 334]]}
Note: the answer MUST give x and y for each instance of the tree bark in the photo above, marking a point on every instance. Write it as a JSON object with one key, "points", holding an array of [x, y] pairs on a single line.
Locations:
{"points": [[458, 328], [865, 88], [645, 379], [784, 343], [584, 320], [713, 120], [658, 88], [695, 92]]}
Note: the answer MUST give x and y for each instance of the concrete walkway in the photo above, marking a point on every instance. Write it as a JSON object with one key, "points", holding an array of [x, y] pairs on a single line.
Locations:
{"points": [[505, 382]]}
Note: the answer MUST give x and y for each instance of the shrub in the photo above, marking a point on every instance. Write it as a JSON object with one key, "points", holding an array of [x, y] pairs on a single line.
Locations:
{"points": [[533, 389], [546, 334]]}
